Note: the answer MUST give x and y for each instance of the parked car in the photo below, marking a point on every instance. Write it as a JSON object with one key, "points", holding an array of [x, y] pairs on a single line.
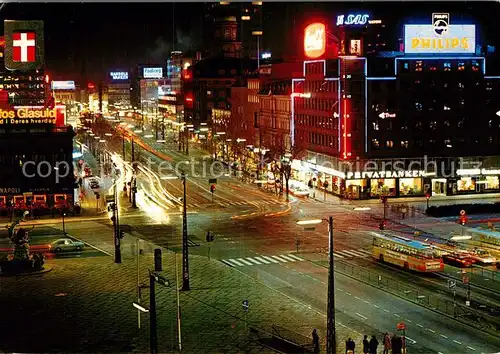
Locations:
{"points": [[483, 257], [66, 245], [458, 260]]}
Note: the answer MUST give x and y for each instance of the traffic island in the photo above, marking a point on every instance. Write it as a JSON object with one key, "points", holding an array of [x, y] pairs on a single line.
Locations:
{"points": [[19, 267]]}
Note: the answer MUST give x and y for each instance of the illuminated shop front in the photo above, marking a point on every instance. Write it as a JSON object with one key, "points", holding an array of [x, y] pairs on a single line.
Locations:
{"points": [[471, 181]]}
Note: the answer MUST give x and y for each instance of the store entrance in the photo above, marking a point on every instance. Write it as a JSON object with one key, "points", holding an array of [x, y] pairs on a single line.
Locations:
{"points": [[439, 187]]}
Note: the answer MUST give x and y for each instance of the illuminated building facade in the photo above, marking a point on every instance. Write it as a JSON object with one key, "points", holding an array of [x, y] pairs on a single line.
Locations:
{"points": [[118, 84], [34, 134], [432, 110]]}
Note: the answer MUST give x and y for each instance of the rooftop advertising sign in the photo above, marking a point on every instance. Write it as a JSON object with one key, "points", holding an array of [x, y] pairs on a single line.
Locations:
{"points": [[118, 75], [33, 115], [63, 85], [315, 40], [440, 37], [352, 20], [152, 73]]}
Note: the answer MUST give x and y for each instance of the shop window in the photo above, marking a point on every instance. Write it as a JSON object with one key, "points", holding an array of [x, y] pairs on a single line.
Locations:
{"points": [[404, 144], [491, 182], [376, 127], [390, 144], [447, 66], [490, 139], [433, 125], [386, 186], [466, 184], [418, 106], [410, 186], [375, 143]]}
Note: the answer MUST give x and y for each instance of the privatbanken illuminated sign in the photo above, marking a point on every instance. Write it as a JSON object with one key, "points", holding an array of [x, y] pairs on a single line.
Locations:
{"points": [[315, 40], [440, 37]]}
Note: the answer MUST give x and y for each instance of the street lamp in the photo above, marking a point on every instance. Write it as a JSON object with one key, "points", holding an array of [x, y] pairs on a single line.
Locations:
{"points": [[185, 253], [331, 344], [63, 224]]}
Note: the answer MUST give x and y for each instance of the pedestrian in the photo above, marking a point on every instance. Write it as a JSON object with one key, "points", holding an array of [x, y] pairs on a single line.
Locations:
{"points": [[387, 343], [396, 344], [373, 345], [350, 346], [366, 345], [315, 337]]}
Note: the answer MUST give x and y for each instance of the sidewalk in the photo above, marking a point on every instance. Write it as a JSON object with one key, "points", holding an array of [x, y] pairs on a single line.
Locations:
{"points": [[86, 305]]}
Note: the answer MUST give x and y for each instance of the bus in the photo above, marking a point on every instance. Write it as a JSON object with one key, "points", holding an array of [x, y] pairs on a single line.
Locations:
{"points": [[406, 253]]}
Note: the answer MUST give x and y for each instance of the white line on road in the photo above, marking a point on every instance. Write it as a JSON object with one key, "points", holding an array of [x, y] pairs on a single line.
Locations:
{"points": [[253, 260], [357, 298], [377, 306], [366, 302], [227, 263], [396, 315], [386, 310], [456, 341], [338, 255], [363, 317], [280, 259], [295, 257], [442, 335], [234, 261], [348, 293], [407, 320], [471, 348], [244, 261], [419, 325], [411, 340], [350, 253], [287, 258], [270, 259], [262, 260], [431, 330]]}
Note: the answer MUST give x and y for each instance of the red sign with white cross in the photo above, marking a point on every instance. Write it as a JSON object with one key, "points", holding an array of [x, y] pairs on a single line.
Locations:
{"points": [[24, 47]]}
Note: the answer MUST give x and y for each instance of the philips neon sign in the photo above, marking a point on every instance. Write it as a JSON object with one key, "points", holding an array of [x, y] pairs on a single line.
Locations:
{"points": [[352, 20]]}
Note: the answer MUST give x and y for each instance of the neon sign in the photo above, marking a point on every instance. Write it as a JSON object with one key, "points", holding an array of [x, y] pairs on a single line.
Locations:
{"points": [[119, 75], [315, 40], [352, 20]]}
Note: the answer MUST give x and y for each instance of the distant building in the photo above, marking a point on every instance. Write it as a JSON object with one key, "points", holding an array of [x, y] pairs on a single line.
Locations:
{"points": [[118, 87]]}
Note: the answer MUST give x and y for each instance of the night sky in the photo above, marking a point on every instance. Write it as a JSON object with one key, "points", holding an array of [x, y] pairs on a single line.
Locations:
{"points": [[93, 38]]}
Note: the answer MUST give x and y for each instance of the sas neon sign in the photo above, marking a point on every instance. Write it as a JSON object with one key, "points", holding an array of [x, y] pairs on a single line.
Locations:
{"points": [[315, 40], [352, 20]]}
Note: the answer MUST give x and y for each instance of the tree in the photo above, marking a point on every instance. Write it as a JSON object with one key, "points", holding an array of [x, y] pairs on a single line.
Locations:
{"points": [[282, 156]]}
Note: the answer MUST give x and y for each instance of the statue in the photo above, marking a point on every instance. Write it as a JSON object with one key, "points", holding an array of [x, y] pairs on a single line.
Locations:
{"points": [[20, 240]]}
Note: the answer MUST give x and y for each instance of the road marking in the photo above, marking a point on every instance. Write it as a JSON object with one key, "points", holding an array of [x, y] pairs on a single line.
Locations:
{"points": [[234, 261], [471, 348], [287, 258], [456, 341], [397, 315], [366, 302], [407, 320], [419, 325], [338, 255], [377, 306], [351, 253], [280, 259], [386, 310], [359, 254], [262, 260], [357, 298], [244, 261], [295, 257], [253, 260], [365, 252], [442, 335], [270, 259], [348, 293], [226, 263], [431, 330], [363, 317], [411, 340]]}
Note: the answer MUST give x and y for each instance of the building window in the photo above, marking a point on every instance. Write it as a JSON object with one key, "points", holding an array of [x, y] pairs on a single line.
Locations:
{"points": [[410, 186], [433, 125], [375, 143], [376, 127], [404, 144], [390, 144], [418, 106]]}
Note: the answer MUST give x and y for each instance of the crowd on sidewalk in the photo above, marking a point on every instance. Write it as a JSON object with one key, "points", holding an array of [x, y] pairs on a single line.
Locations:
{"points": [[392, 344]]}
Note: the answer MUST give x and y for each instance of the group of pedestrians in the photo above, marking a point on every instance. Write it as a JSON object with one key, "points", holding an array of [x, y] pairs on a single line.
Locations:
{"points": [[391, 344]]}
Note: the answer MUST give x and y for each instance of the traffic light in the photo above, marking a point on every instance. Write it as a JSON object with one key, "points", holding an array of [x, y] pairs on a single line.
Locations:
{"points": [[463, 220], [121, 234], [212, 188]]}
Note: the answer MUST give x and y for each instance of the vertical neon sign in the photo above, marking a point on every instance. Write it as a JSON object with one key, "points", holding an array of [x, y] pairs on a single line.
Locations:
{"points": [[346, 127]]}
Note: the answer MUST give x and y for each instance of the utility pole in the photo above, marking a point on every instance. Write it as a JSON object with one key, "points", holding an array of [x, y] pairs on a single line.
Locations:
{"points": [[132, 152], [153, 335], [185, 251], [116, 223], [331, 345], [123, 147]]}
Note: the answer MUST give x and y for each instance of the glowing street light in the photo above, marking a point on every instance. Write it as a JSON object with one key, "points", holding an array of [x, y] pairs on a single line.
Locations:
{"points": [[148, 136], [108, 134], [309, 222], [140, 308], [240, 140], [362, 209]]}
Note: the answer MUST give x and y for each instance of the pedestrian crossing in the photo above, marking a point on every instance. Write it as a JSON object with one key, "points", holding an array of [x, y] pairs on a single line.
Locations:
{"points": [[349, 254], [233, 203], [261, 260]]}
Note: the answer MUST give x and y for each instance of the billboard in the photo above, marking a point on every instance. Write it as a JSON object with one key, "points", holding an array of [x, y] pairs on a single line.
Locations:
{"points": [[24, 45], [33, 115], [63, 85], [440, 37], [315, 40], [118, 75], [152, 73]]}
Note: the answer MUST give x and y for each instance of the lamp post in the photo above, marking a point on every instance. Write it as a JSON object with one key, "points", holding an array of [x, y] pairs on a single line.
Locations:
{"points": [[185, 252], [116, 225], [331, 342], [63, 224]]}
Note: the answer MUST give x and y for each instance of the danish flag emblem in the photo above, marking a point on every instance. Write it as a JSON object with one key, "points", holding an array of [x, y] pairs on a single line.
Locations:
{"points": [[23, 47]]}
